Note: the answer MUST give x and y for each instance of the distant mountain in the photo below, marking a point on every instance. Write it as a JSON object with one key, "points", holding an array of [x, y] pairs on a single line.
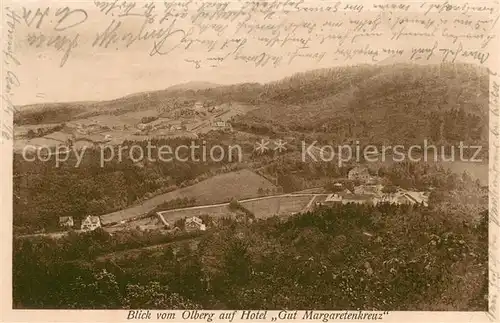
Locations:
{"points": [[195, 86]]}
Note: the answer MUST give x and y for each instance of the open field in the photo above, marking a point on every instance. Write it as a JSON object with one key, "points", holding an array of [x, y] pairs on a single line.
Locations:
{"points": [[262, 207], [214, 211], [218, 189], [283, 205]]}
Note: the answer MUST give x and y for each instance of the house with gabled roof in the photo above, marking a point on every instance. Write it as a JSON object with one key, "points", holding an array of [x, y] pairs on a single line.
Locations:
{"points": [[222, 125], [91, 223], [334, 198], [194, 224]]}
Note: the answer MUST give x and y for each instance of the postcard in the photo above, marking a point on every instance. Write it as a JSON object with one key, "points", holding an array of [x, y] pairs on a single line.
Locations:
{"points": [[231, 161]]}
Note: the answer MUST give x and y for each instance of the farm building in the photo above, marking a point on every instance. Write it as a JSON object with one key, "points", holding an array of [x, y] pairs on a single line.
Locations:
{"points": [[194, 224], [333, 198], [222, 125], [66, 221], [91, 223]]}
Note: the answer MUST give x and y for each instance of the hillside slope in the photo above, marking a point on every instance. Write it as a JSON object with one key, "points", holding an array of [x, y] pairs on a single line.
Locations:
{"points": [[442, 103]]}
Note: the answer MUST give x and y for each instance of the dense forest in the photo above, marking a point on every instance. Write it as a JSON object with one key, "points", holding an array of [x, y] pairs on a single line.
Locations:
{"points": [[403, 104], [382, 258]]}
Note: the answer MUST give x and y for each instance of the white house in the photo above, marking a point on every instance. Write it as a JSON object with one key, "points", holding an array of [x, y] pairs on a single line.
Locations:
{"points": [[194, 224], [91, 223], [220, 124], [417, 197], [333, 198]]}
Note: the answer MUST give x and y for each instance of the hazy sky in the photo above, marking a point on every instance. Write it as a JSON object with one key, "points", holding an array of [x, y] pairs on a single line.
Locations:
{"points": [[92, 73]]}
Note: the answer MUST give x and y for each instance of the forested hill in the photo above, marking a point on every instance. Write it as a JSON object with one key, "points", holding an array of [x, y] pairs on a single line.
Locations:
{"points": [[442, 103]]}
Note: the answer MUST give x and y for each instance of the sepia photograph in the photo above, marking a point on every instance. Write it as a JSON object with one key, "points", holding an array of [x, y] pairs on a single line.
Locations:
{"points": [[283, 156]]}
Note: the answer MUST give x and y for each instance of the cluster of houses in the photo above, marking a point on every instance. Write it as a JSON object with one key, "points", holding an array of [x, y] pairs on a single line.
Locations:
{"points": [[190, 225], [79, 134], [371, 191], [216, 124], [400, 197], [89, 223], [222, 125], [201, 107], [193, 223], [92, 132], [158, 126]]}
